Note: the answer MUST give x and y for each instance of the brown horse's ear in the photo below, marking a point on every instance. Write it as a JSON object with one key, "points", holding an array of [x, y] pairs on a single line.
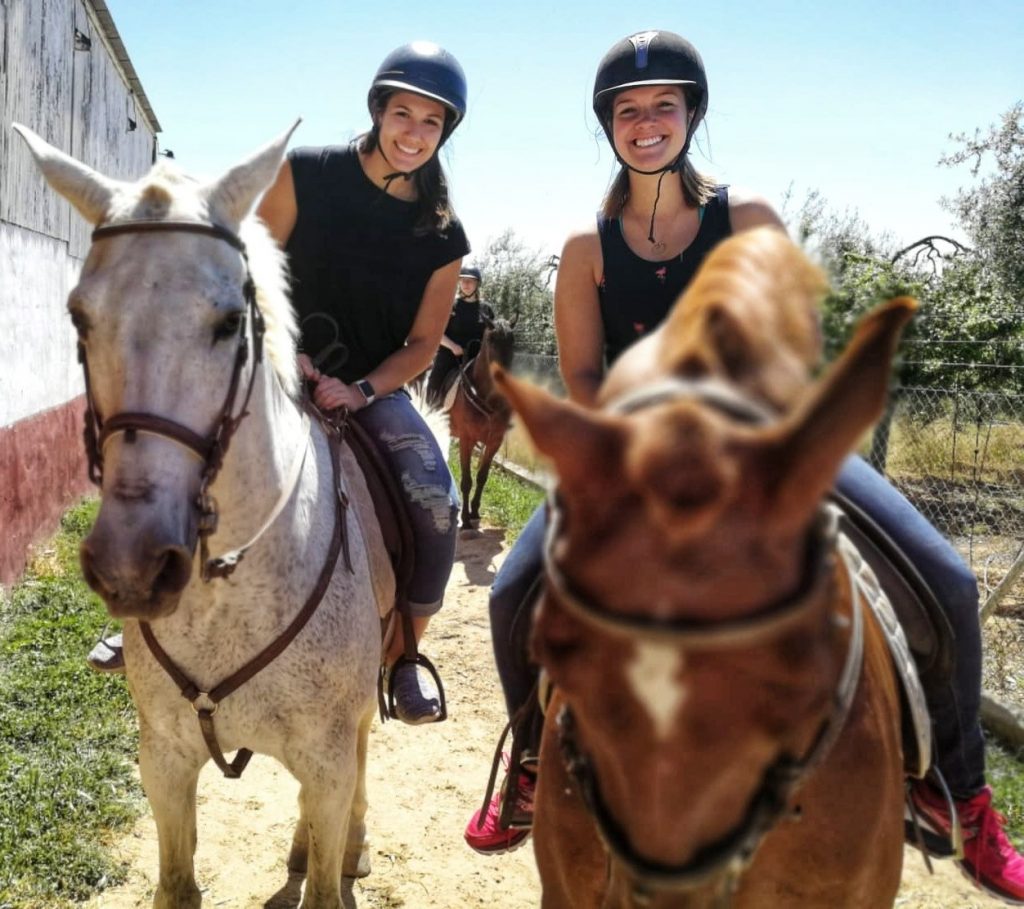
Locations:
{"points": [[585, 445], [807, 450]]}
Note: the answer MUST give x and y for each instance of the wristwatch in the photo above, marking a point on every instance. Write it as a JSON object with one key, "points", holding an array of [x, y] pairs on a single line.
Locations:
{"points": [[366, 390]]}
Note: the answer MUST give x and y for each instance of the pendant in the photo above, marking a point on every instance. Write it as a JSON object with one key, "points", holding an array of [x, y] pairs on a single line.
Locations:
{"points": [[659, 247]]}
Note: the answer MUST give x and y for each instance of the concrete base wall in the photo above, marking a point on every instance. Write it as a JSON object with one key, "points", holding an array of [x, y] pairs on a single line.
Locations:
{"points": [[42, 472]]}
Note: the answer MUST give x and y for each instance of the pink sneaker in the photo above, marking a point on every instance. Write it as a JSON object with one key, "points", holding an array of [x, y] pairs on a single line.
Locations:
{"points": [[990, 859], [484, 832]]}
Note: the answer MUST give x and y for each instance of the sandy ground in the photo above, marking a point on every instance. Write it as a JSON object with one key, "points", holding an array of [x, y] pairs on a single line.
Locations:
{"points": [[424, 783]]}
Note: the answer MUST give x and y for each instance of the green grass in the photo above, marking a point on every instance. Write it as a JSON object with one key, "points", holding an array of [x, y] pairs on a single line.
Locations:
{"points": [[1006, 777], [67, 735]]}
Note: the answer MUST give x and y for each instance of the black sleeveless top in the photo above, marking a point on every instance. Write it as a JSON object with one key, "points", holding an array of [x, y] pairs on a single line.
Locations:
{"points": [[635, 295], [466, 322], [358, 268]]}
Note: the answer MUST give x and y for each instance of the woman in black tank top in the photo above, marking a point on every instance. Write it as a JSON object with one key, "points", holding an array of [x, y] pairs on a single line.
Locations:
{"points": [[374, 251], [616, 282]]}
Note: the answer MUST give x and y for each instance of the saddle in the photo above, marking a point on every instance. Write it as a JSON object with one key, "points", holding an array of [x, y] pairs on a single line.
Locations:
{"points": [[396, 529]]}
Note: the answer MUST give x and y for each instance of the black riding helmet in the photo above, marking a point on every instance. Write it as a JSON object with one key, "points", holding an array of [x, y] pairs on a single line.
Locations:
{"points": [[425, 69], [470, 271], [651, 58]]}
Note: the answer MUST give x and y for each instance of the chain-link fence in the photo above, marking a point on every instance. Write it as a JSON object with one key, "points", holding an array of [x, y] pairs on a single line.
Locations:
{"points": [[958, 456]]}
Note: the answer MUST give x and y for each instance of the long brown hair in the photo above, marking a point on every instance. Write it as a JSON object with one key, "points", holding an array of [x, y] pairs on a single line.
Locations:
{"points": [[434, 211]]}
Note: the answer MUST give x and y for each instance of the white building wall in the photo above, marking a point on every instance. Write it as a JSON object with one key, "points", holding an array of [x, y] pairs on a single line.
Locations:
{"points": [[38, 366]]}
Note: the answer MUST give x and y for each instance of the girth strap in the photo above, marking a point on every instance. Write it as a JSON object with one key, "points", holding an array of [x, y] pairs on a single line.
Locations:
{"points": [[205, 703]]}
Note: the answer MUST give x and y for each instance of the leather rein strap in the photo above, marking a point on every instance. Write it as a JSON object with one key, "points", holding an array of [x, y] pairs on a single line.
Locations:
{"points": [[211, 451], [205, 703]]}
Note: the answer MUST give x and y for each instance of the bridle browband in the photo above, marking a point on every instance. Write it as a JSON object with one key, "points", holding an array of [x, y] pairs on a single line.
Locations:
{"points": [[724, 860], [210, 449]]}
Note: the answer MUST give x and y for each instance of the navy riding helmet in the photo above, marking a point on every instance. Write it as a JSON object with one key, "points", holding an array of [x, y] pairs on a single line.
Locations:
{"points": [[425, 69], [470, 271], [650, 58]]}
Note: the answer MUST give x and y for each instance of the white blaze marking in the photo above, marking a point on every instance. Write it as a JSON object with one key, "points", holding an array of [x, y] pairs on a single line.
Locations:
{"points": [[653, 674]]}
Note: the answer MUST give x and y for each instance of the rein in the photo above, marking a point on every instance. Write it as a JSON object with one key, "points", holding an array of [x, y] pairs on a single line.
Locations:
{"points": [[205, 703], [211, 450], [724, 860]]}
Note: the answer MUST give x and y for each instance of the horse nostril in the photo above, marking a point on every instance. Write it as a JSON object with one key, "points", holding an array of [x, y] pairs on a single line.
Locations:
{"points": [[89, 572], [173, 571]]}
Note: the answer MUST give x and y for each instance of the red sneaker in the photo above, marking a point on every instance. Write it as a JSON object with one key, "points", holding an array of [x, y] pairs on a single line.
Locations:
{"points": [[990, 859], [484, 832]]}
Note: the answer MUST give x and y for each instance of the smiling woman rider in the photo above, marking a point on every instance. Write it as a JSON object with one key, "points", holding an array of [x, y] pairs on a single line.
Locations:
{"points": [[374, 250], [617, 280]]}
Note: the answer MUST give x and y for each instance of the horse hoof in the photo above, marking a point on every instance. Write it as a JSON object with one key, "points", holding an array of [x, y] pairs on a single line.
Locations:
{"points": [[356, 864]]}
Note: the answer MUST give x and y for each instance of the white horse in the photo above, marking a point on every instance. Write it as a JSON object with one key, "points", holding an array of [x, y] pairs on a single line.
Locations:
{"points": [[166, 329]]}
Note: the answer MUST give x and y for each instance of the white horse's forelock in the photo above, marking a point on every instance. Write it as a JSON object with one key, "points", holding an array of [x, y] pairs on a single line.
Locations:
{"points": [[167, 192]]}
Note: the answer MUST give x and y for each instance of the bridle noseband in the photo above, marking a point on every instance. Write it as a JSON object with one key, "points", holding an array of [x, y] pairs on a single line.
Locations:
{"points": [[211, 449], [723, 861]]}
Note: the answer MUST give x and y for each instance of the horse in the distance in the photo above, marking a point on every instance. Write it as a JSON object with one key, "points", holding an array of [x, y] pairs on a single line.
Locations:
{"points": [[272, 632], [724, 727], [479, 414]]}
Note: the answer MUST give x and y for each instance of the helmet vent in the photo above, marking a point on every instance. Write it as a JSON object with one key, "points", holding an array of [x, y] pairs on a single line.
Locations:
{"points": [[641, 43]]}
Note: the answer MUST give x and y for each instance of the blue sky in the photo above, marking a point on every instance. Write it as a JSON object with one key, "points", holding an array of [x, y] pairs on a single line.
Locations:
{"points": [[854, 100]]}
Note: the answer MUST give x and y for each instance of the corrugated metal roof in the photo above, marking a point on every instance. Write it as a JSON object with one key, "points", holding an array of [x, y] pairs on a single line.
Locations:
{"points": [[113, 38]]}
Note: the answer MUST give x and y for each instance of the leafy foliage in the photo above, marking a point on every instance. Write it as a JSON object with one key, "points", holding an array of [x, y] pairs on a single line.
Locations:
{"points": [[968, 334], [516, 280], [992, 211]]}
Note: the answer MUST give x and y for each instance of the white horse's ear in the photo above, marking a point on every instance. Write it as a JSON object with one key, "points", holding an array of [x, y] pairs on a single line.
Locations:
{"points": [[233, 195], [90, 192]]}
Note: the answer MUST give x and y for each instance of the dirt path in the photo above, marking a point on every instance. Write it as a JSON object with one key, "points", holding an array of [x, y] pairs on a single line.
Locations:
{"points": [[424, 784]]}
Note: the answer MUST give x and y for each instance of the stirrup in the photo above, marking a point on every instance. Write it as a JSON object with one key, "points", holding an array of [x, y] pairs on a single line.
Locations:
{"points": [[386, 704], [933, 844]]}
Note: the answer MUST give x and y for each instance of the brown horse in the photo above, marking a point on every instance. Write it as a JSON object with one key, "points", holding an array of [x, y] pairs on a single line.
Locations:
{"points": [[479, 414], [724, 727]]}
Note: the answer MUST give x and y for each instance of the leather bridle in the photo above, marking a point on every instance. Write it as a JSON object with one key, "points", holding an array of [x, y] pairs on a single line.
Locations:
{"points": [[210, 449], [722, 862]]}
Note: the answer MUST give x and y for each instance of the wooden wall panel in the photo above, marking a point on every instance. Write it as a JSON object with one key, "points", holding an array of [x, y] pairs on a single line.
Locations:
{"points": [[101, 134], [39, 43]]}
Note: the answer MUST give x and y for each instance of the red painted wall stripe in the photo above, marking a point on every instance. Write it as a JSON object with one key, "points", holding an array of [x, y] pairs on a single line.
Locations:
{"points": [[42, 472]]}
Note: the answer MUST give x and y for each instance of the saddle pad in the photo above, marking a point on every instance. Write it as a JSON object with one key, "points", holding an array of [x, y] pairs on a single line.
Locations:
{"points": [[917, 758]]}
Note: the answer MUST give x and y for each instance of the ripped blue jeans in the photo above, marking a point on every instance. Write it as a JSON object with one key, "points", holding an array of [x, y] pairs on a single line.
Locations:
{"points": [[411, 452]]}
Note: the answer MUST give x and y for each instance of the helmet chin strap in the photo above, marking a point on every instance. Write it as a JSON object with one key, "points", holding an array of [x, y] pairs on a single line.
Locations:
{"points": [[672, 168], [395, 174]]}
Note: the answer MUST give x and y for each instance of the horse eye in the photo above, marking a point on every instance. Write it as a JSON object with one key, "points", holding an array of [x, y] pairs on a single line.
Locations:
{"points": [[227, 327]]}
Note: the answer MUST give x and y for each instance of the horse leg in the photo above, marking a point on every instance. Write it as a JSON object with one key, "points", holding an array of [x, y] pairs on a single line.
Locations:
{"points": [[298, 855], [356, 861], [326, 773], [466, 478], [169, 779], [483, 469]]}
